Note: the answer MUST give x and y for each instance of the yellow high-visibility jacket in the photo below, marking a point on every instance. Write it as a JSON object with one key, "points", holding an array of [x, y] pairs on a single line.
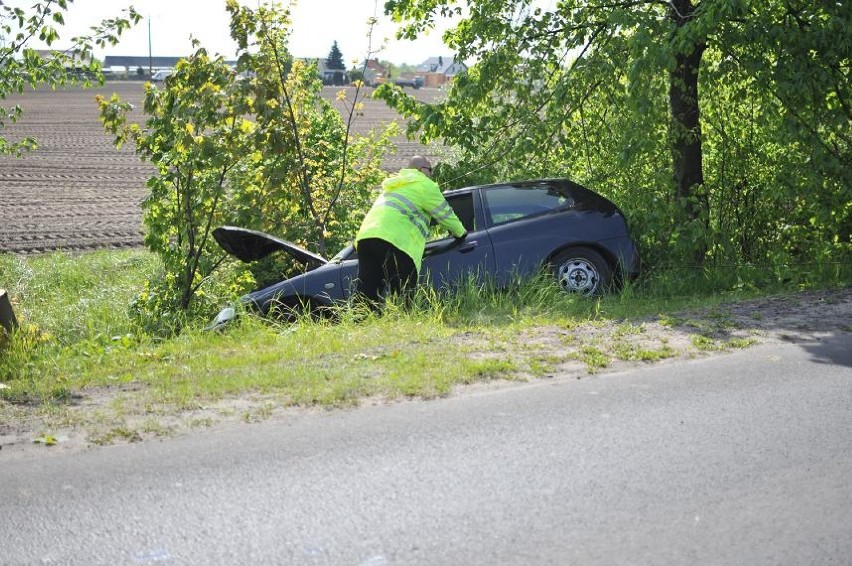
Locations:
{"points": [[401, 215]]}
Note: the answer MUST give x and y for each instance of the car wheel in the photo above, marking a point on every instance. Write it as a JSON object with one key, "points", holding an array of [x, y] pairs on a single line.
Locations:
{"points": [[583, 271]]}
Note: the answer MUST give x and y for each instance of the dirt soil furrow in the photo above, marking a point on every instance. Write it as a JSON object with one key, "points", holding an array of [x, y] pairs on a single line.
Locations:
{"points": [[78, 192]]}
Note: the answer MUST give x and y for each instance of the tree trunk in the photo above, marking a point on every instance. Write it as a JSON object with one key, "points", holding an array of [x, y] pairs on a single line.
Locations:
{"points": [[685, 127]]}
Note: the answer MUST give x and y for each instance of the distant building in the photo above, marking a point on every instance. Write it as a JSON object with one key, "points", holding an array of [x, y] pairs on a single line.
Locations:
{"points": [[337, 77], [439, 70], [130, 63], [375, 73]]}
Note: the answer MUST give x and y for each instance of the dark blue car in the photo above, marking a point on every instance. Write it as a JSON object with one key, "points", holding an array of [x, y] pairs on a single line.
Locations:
{"points": [[514, 231]]}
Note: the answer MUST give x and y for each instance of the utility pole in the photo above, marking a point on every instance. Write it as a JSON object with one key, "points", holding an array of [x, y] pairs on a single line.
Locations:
{"points": [[150, 58]]}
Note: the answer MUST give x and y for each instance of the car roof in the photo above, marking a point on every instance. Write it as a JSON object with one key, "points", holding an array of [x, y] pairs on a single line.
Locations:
{"points": [[519, 182]]}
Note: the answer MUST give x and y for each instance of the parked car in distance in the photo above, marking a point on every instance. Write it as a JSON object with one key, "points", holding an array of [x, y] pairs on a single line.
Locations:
{"points": [[415, 82], [160, 76], [515, 230]]}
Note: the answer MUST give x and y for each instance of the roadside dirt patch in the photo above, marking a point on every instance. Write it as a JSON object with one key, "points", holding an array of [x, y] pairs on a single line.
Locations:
{"points": [[609, 346]]}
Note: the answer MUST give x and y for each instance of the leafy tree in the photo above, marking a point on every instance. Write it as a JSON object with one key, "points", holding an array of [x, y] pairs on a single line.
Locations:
{"points": [[728, 93], [335, 58], [256, 146], [315, 171], [195, 135], [21, 66]]}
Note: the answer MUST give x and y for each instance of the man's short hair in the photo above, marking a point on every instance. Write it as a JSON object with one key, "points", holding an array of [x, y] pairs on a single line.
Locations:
{"points": [[418, 161]]}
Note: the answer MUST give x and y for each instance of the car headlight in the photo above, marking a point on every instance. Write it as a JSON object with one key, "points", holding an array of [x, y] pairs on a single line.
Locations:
{"points": [[224, 317]]}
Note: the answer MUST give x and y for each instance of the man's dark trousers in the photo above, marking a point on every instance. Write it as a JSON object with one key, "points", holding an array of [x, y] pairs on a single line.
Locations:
{"points": [[383, 269]]}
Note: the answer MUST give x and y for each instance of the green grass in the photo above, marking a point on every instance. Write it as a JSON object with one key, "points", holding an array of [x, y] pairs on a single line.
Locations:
{"points": [[75, 297], [77, 340], [593, 357], [633, 353]]}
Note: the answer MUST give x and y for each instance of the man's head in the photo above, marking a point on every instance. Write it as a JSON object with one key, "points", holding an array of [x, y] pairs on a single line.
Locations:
{"points": [[421, 164]]}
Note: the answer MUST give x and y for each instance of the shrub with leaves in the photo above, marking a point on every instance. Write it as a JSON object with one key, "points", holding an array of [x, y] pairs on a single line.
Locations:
{"points": [[313, 178], [195, 135], [21, 66], [256, 146]]}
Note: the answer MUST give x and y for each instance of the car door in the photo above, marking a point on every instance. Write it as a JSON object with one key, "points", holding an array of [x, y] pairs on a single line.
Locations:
{"points": [[447, 263], [348, 260], [526, 223]]}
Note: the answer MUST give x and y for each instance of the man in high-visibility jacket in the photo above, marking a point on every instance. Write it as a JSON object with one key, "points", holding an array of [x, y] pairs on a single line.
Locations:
{"points": [[393, 235]]}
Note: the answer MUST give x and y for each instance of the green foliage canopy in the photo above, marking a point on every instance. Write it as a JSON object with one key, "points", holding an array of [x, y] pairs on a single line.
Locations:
{"points": [[21, 66], [722, 126]]}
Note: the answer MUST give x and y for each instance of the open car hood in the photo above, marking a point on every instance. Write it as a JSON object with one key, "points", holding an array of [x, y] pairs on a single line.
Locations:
{"points": [[251, 245]]}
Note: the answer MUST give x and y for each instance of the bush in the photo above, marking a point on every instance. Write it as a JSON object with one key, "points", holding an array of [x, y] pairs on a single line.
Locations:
{"points": [[255, 146]]}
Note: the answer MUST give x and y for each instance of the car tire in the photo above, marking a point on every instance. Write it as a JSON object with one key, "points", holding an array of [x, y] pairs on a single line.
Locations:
{"points": [[582, 271]]}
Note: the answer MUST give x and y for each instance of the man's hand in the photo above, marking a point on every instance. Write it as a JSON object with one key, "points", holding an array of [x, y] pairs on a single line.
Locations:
{"points": [[462, 237]]}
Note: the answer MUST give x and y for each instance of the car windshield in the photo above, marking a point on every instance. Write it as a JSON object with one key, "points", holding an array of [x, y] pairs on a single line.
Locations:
{"points": [[345, 253]]}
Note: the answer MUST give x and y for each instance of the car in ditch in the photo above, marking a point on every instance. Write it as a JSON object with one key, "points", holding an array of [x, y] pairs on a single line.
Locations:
{"points": [[515, 230]]}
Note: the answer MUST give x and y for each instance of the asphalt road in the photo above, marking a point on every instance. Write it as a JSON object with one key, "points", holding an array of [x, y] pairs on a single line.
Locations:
{"points": [[743, 458]]}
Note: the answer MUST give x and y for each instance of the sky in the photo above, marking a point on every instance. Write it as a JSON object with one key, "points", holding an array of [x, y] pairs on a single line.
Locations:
{"points": [[316, 25]]}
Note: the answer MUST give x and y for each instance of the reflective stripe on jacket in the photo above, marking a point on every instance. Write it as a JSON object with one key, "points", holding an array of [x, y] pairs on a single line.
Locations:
{"points": [[401, 215]]}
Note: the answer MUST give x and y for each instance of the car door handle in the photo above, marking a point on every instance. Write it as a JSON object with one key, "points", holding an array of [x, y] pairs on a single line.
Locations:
{"points": [[468, 246]]}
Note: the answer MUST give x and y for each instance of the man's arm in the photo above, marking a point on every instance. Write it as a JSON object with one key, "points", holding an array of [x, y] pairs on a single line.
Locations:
{"points": [[441, 211]]}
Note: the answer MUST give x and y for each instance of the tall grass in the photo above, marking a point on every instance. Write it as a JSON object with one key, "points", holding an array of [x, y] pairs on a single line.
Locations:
{"points": [[76, 298], [77, 333], [67, 306]]}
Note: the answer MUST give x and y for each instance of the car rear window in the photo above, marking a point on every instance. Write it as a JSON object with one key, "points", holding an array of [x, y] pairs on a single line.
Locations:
{"points": [[506, 203], [511, 202]]}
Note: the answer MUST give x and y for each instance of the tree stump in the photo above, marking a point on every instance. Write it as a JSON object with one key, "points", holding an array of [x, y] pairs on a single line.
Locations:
{"points": [[7, 315]]}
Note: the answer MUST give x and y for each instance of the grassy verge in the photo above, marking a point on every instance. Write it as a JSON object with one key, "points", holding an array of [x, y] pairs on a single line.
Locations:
{"points": [[78, 359]]}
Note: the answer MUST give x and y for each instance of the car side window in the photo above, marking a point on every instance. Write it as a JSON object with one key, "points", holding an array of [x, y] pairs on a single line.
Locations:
{"points": [[511, 202], [462, 205]]}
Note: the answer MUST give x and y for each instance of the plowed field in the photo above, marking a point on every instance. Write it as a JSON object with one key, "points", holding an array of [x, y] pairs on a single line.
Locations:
{"points": [[76, 191]]}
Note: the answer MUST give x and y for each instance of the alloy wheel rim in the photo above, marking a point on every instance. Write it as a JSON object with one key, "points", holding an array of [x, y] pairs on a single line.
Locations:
{"points": [[578, 276]]}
